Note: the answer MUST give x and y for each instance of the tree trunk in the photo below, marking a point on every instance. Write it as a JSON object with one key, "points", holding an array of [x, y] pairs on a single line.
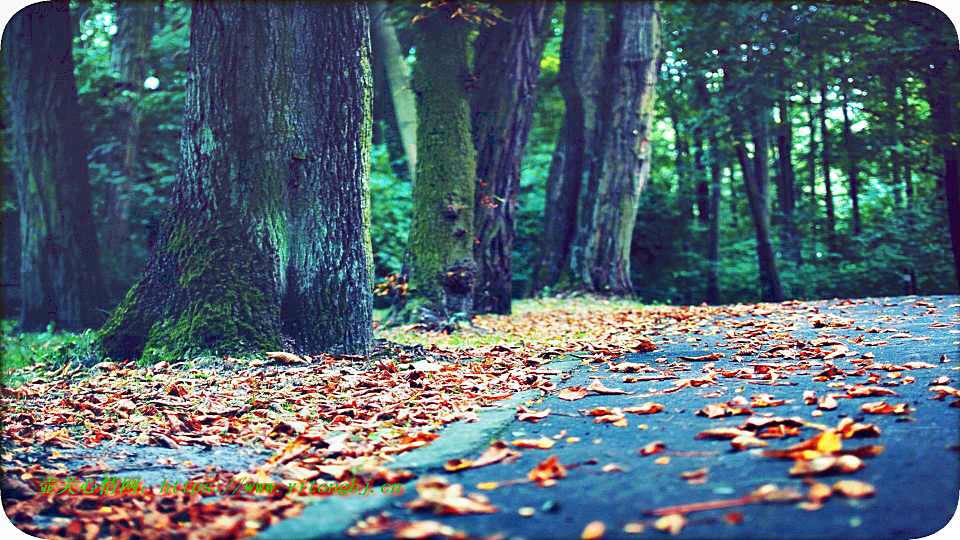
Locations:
{"points": [[827, 182], [581, 56], [622, 144], [786, 191], [852, 172], [131, 44], [267, 235], [507, 71], [756, 180], [390, 59], [713, 249], [942, 97], [812, 154], [440, 246], [60, 278]]}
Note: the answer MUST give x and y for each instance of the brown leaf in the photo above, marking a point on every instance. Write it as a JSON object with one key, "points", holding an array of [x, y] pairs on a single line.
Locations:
{"points": [[598, 387], [592, 531], [854, 489], [645, 408], [572, 394], [671, 523], [543, 443]]}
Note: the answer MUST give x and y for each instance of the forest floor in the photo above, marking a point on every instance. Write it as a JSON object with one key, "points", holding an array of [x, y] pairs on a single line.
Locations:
{"points": [[575, 417]]}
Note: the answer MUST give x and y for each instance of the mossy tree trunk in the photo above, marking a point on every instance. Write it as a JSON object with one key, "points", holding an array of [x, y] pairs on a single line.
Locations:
{"points": [[267, 235], [440, 260], [60, 278], [622, 150], [507, 70]]}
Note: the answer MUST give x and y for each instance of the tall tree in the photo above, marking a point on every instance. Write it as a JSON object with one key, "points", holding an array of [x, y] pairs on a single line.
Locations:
{"points": [[135, 28], [507, 70], [853, 174], [825, 159], [942, 94], [389, 61], [622, 149], [267, 233], [713, 249], [581, 58], [786, 182], [442, 271], [60, 278]]}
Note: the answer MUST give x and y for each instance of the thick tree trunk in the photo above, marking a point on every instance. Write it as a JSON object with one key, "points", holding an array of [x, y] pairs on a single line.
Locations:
{"points": [[827, 182], [267, 235], [942, 97], [622, 144], [442, 271], [507, 71], [852, 171], [559, 215], [581, 57], [389, 58], [786, 182], [131, 44], [60, 278]]}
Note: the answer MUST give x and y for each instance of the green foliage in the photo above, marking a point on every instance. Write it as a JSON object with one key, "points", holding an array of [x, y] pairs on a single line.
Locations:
{"points": [[390, 208], [51, 348], [103, 102]]}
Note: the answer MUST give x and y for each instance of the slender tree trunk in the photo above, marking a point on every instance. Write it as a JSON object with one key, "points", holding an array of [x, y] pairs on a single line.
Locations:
{"points": [[622, 143], [60, 278], [131, 44], [502, 106], [827, 181], [786, 190], [581, 56], [713, 249], [390, 62], [267, 234], [756, 180], [440, 246], [703, 186], [852, 172], [812, 154]]}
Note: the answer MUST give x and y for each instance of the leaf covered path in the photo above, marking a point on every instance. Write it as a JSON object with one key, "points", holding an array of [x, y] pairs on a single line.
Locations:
{"points": [[671, 406]]}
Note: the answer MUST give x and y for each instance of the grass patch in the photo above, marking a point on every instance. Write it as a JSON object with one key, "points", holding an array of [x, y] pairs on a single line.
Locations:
{"points": [[50, 348]]}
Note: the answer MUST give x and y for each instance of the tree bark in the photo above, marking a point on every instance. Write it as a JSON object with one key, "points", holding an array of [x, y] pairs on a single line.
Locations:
{"points": [[812, 153], [60, 277], [267, 235], [786, 182], [942, 97], [852, 173], [507, 71], [713, 244], [442, 270], [756, 180], [390, 59], [623, 148], [581, 56], [827, 182]]}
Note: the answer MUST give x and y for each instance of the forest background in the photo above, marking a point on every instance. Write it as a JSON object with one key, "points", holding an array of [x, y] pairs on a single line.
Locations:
{"points": [[854, 153]]}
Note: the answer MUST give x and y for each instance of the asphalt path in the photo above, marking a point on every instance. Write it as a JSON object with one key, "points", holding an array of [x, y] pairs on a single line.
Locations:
{"points": [[916, 477]]}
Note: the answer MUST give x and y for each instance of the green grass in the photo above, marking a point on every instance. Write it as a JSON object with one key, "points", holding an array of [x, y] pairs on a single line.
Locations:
{"points": [[51, 348]]}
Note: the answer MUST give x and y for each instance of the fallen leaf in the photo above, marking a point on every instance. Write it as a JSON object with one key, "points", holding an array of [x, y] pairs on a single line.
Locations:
{"points": [[593, 530]]}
